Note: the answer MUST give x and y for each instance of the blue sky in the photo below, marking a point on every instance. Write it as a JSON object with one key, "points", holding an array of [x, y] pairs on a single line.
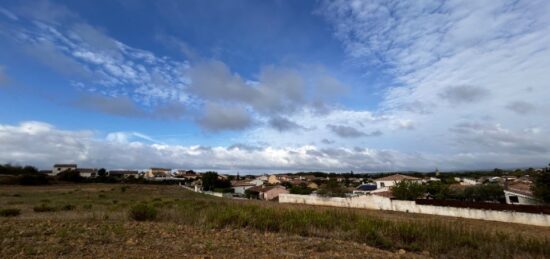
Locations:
{"points": [[275, 85]]}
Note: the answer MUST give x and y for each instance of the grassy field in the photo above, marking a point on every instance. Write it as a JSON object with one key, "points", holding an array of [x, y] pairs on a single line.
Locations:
{"points": [[93, 220]]}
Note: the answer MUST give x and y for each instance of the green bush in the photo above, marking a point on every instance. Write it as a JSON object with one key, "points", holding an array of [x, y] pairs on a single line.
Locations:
{"points": [[44, 208], [10, 212], [408, 190], [143, 212]]}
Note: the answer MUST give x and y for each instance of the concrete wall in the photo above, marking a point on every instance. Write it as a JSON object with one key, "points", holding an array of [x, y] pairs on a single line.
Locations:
{"points": [[382, 203]]}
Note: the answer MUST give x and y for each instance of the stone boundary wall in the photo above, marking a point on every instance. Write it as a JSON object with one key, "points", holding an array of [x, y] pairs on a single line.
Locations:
{"points": [[376, 202]]}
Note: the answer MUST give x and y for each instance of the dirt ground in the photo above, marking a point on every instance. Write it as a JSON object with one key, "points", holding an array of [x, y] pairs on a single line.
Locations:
{"points": [[23, 238]]}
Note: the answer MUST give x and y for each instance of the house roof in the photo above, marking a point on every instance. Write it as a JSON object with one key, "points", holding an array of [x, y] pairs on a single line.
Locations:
{"points": [[123, 172], [520, 188], [64, 165], [397, 177], [265, 188], [241, 183], [160, 169]]}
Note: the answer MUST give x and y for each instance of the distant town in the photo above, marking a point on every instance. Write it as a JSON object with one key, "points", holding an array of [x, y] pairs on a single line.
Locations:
{"points": [[516, 187]]}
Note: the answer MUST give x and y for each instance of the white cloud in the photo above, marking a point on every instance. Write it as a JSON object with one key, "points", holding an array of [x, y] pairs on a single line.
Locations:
{"points": [[478, 62], [8, 14], [88, 55], [42, 145]]}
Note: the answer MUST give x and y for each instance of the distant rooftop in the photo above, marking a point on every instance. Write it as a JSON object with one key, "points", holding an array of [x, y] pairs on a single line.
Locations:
{"points": [[64, 165], [397, 177]]}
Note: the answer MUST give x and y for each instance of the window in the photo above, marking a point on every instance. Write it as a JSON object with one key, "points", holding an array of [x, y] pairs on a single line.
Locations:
{"points": [[513, 199], [382, 184]]}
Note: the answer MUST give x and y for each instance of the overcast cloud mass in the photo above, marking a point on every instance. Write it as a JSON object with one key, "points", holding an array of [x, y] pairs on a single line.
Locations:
{"points": [[290, 86]]}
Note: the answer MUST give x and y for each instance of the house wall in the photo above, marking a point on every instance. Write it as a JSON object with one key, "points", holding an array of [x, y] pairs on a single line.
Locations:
{"points": [[522, 199], [382, 203], [257, 182], [241, 189], [274, 193], [273, 179], [57, 170]]}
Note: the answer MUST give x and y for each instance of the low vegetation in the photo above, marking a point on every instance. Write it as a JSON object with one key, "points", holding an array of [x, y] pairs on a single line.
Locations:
{"points": [[44, 208], [143, 212], [10, 212], [168, 205]]}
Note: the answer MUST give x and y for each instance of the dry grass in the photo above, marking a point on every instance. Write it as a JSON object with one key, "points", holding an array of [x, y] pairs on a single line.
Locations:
{"points": [[102, 205]]}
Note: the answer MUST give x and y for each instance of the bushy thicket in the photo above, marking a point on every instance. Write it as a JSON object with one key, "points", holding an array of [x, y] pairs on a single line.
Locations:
{"points": [[143, 212], [10, 212]]}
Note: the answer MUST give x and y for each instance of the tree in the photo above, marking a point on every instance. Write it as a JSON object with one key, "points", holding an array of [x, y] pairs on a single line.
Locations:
{"points": [[211, 181], [70, 176], [102, 172], [438, 190], [408, 190], [541, 186], [332, 189], [483, 193], [301, 189]]}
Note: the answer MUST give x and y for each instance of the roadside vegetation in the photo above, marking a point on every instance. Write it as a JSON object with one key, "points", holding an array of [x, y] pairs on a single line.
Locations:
{"points": [[391, 231]]}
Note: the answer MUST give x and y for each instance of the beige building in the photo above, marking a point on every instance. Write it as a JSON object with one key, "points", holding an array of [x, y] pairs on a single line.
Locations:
{"points": [[313, 185], [273, 179], [268, 193], [158, 172]]}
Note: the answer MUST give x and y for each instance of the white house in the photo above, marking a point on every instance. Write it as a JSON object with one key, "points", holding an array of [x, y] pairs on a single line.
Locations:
{"points": [[240, 188], [58, 168], [87, 172], [262, 178], [468, 181], [257, 182], [389, 181], [520, 193]]}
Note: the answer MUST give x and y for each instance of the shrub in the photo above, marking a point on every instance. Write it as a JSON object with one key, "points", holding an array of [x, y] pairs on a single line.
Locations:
{"points": [[482, 193], [70, 176], [10, 212], [407, 190], [33, 179], [87, 206], [332, 189], [143, 212], [68, 207], [301, 189], [44, 208]]}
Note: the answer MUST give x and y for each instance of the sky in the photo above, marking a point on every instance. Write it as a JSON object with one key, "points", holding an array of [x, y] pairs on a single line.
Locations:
{"points": [[260, 86]]}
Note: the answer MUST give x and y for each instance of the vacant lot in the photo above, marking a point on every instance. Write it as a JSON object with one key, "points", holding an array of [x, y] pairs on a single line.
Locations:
{"points": [[92, 220]]}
